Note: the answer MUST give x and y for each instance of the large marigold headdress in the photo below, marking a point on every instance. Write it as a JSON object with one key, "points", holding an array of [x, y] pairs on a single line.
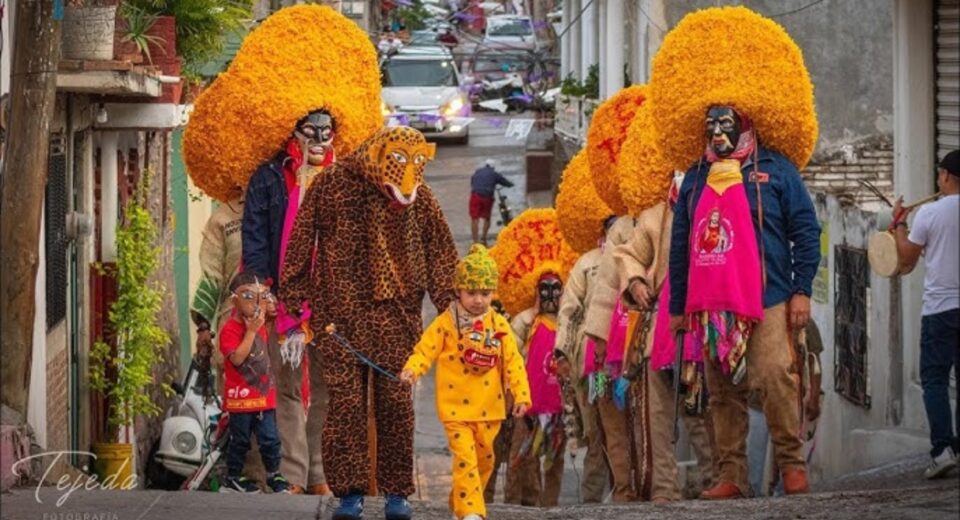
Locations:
{"points": [[732, 56], [300, 59], [643, 172], [607, 132], [580, 211], [530, 244]]}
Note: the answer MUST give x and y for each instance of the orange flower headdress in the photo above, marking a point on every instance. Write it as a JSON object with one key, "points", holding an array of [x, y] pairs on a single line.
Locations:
{"points": [[644, 174], [530, 244], [752, 64], [300, 59], [607, 132], [580, 211]]}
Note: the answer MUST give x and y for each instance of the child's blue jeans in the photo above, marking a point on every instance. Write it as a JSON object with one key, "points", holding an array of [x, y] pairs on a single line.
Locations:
{"points": [[264, 425]]}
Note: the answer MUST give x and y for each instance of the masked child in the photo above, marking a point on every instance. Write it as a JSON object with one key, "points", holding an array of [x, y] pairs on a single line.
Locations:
{"points": [[477, 361], [250, 391]]}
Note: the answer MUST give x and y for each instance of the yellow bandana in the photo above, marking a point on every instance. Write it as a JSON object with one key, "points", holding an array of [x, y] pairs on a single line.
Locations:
{"points": [[724, 173]]}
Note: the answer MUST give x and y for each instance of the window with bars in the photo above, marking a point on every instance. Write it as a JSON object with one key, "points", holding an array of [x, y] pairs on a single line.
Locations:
{"points": [[851, 361], [55, 232]]}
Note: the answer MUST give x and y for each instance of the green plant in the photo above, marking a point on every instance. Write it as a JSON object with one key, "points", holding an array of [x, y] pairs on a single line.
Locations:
{"points": [[413, 17], [139, 23], [201, 25], [570, 86], [591, 85], [133, 318]]}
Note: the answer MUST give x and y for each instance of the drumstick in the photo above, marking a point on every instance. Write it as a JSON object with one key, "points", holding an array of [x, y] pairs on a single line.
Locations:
{"points": [[873, 189], [922, 201]]}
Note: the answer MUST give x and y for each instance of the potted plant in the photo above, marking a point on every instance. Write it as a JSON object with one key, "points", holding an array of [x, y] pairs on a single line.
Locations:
{"points": [[134, 38], [124, 372], [87, 29], [201, 26]]}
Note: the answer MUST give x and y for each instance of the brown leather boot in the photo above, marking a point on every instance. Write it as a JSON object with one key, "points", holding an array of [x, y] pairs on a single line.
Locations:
{"points": [[319, 489], [795, 481], [722, 491]]}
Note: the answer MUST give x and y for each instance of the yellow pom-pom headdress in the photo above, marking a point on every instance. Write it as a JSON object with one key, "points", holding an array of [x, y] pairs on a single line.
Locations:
{"points": [[300, 59], [580, 211], [644, 174], [524, 249], [607, 132], [477, 270], [732, 56]]}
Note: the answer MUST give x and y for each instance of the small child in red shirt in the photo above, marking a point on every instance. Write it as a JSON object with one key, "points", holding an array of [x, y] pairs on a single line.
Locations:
{"points": [[249, 391]]}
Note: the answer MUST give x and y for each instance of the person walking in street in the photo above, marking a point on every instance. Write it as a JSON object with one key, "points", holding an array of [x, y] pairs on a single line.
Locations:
{"points": [[540, 433], [642, 268], [604, 426], [250, 394], [740, 305], [934, 235], [477, 358], [483, 185]]}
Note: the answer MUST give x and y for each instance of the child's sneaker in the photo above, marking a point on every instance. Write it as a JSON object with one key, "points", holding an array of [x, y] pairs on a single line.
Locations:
{"points": [[278, 484], [239, 485], [351, 508], [473, 516], [397, 508]]}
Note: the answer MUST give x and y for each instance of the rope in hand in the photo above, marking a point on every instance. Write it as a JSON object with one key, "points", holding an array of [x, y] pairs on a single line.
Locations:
{"points": [[331, 329]]}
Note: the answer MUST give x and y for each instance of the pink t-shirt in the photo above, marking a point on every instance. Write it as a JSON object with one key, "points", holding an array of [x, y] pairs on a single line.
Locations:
{"points": [[544, 386]]}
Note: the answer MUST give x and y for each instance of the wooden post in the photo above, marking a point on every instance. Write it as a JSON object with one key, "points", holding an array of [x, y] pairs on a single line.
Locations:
{"points": [[33, 95]]}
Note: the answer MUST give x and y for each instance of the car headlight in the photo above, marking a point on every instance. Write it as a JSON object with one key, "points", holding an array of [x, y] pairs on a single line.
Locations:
{"points": [[453, 107], [185, 442]]}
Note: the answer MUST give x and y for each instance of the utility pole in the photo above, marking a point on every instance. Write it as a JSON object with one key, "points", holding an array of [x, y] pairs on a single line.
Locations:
{"points": [[33, 87]]}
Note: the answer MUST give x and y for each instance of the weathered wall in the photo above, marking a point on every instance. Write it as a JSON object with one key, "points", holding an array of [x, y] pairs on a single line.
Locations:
{"points": [[850, 437]]}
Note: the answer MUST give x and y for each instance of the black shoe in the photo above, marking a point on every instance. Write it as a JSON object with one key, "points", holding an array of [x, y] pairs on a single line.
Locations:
{"points": [[239, 485], [278, 484]]}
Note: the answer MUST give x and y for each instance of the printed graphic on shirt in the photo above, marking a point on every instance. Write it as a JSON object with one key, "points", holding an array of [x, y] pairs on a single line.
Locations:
{"points": [[257, 375], [713, 239], [480, 347]]}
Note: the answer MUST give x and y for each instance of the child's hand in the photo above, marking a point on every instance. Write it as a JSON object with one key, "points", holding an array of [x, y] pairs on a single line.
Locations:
{"points": [[520, 409], [255, 322], [408, 377]]}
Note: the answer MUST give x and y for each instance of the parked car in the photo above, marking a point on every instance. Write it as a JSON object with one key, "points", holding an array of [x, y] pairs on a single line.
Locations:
{"points": [[421, 88], [511, 32]]}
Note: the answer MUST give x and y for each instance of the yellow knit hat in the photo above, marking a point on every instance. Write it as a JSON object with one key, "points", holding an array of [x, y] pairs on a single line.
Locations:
{"points": [[477, 270]]}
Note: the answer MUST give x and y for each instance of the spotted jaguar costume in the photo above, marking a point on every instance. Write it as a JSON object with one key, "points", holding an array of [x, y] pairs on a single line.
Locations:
{"points": [[369, 243]]}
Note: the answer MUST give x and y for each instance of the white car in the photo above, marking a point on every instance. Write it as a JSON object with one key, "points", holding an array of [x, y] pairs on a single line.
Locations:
{"points": [[511, 32], [421, 89]]}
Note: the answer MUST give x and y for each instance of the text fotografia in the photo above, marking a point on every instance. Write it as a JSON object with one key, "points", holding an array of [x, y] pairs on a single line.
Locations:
{"points": [[67, 486], [80, 516]]}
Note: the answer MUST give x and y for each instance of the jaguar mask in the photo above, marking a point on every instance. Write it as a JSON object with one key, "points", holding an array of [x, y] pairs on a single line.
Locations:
{"points": [[481, 347], [394, 160]]}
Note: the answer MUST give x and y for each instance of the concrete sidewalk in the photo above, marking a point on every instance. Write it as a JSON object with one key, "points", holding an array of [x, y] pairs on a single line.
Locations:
{"points": [[928, 501]]}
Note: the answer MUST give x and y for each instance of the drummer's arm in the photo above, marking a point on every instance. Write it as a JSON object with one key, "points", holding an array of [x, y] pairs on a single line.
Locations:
{"points": [[907, 251]]}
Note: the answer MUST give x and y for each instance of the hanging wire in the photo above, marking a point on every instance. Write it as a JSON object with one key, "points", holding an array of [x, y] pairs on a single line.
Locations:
{"points": [[797, 10]]}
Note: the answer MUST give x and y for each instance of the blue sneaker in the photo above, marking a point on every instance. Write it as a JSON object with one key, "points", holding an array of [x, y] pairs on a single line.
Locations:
{"points": [[397, 508], [351, 508]]}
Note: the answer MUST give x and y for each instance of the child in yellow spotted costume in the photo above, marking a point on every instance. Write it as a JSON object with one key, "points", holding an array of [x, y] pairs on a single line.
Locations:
{"points": [[477, 360]]}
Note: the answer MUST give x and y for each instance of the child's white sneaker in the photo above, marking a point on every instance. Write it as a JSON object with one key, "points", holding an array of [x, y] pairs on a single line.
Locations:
{"points": [[472, 516]]}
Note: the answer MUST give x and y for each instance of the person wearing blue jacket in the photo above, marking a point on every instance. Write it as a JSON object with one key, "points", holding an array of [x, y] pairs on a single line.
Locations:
{"points": [[788, 239]]}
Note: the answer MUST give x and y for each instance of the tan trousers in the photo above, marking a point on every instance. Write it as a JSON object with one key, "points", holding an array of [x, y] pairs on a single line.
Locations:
{"points": [[770, 373], [596, 473], [616, 440], [319, 402], [524, 485], [664, 466]]}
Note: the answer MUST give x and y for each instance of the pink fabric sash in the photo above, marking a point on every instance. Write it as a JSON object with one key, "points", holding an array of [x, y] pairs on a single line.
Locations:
{"points": [[664, 351], [616, 342], [724, 273], [544, 386]]}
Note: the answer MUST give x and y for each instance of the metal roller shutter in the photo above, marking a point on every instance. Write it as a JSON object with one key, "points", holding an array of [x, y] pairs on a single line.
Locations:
{"points": [[948, 76]]}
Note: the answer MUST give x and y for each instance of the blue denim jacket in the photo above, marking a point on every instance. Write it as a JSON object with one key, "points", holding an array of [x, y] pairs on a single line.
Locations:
{"points": [[264, 210], [791, 232]]}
